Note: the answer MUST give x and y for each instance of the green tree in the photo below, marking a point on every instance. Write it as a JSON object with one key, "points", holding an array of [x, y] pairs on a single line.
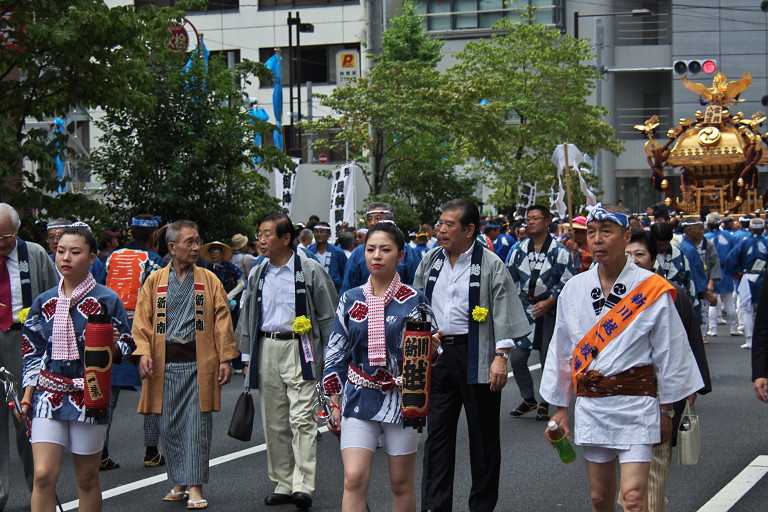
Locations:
{"points": [[407, 117], [538, 79], [405, 39], [59, 55], [189, 153]]}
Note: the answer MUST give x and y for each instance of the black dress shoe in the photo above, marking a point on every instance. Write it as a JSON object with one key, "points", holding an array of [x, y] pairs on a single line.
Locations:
{"points": [[277, 499], [302, 500]]}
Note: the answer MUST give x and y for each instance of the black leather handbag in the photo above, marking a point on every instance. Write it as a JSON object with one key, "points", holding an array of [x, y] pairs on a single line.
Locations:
{"points": [[241, 426]]}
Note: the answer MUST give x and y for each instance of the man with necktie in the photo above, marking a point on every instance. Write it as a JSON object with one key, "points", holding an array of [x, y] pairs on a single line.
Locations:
{"points": [[25, 272]]}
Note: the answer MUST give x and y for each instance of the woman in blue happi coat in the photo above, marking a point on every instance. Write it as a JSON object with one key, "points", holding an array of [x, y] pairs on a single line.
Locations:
{"points": [[53, 344], [363, 372]]}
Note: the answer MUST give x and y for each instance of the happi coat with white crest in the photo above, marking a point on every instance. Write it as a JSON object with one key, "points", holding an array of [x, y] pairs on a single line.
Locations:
{"points": [[214, 336], [655, 337]]}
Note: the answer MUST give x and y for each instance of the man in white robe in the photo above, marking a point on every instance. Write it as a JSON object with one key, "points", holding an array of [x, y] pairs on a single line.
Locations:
{"points": [[617, 425]]}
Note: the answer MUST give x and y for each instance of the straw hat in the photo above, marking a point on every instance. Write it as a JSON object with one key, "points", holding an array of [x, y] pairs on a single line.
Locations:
{"points": [[205, 251], [239, 241]]}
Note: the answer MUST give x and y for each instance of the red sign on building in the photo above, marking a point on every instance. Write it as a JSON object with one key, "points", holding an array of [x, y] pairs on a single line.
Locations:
{"points": [[179, 39]]}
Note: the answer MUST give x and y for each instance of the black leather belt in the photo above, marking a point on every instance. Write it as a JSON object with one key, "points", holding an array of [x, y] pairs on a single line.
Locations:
{"points": [[456, 339], [285, 336]]}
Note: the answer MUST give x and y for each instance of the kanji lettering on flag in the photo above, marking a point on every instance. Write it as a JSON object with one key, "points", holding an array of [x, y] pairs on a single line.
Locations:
{"points": [[342, 199]]}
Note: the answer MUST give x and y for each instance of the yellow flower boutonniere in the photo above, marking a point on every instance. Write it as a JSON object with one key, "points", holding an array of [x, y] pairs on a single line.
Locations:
{"points": [[23, 315], [479, 314], [302, 325]]}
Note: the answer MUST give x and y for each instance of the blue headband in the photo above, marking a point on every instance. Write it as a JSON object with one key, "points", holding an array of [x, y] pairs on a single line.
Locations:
{"points": [[599, 213], [144, 223], [493, 226]]}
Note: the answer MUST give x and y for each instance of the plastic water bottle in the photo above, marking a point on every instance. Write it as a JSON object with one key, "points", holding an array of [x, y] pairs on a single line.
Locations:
{"points": [[561, 443]]}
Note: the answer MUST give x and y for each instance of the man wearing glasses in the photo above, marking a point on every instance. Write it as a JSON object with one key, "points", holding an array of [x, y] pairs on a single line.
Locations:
{"points": [[476, 307], [184, 338], [286, 319], [25, 272], [539, 266]]}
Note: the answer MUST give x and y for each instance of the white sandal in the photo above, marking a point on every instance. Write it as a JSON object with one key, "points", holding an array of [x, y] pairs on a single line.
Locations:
{"points": [[176, 496]]}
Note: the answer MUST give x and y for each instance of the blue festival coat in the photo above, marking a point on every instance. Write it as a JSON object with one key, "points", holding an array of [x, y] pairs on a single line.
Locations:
{"points": [[749, 256], [349, 344], [723, 242], [337, 263], [37, 336]]}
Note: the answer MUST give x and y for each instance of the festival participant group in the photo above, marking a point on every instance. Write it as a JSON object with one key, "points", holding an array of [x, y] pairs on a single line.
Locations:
{"points": [[618, 306]]}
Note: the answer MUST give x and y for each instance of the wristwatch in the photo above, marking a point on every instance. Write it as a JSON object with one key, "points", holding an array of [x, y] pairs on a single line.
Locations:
{"points": [[669, 413], [505, 355]]}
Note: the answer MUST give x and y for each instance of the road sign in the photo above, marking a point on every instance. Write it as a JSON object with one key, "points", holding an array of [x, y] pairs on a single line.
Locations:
{"points": [[347, 66], [322, 158], [179, 39]]}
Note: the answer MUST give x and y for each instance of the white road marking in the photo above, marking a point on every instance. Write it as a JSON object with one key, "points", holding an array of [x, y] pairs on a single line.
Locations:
{"points": [[534, 367], [146, 482], [738, 487]]}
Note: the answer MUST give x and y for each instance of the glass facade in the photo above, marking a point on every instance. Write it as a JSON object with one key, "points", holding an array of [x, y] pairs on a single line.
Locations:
{"points": [[445, 15], [290, 4], [213, 5], [637, 193]]}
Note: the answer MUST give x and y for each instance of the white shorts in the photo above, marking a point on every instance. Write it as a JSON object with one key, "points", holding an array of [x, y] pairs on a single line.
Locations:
{"points": [[356, 433], [635, 453], [81, 438]]}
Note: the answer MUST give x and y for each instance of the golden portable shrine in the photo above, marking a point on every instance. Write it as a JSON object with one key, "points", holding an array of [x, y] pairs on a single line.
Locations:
{"points": [[718, 152]]}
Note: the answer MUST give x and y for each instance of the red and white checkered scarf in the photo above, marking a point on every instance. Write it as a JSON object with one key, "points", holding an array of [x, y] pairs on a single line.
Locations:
{"points": [[64, 341], [377, 341]]}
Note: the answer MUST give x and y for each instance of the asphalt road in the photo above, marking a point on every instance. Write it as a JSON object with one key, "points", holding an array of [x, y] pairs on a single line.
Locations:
{"points": [[533, 478]]}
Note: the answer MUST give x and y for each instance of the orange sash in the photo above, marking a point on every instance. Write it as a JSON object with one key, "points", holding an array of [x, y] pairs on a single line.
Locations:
{"points": [[616, 320]]}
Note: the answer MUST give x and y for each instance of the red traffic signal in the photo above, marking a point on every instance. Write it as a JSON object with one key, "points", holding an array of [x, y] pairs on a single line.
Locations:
{"points": [[694, 66], [709, 67]]}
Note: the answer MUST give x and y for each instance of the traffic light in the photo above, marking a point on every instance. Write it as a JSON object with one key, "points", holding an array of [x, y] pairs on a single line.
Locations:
{"points": [[695, 66]]}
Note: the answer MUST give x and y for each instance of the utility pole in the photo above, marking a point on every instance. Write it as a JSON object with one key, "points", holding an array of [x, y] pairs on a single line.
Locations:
{"points": [[375, 47], [295, 69]]}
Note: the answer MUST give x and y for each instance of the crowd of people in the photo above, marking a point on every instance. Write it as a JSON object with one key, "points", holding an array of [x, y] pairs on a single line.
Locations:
{"points": [[618, 306]]}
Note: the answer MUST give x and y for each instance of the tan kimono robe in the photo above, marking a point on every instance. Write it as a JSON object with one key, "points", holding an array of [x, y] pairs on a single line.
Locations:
{"points": [[214, 337]]}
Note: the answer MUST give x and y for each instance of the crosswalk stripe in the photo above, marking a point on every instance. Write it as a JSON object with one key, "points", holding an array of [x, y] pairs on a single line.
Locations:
{"points": [[738, 487]]}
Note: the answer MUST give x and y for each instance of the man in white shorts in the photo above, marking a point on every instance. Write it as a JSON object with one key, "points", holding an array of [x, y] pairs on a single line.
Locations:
{"points": [[631, 336]]}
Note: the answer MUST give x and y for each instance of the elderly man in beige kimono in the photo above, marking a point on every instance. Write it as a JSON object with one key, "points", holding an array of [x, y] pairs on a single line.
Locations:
{"points": [[185, 342]]}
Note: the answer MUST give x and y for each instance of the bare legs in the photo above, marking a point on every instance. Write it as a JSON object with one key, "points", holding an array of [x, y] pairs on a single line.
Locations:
{"points": [[634, 485], [48, 457], [357, 476]]}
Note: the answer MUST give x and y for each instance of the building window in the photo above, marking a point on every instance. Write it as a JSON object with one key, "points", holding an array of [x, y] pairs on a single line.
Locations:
{"points": [[230, 57], [213, 5], [291, 4], [453, 15], [318, 62]]}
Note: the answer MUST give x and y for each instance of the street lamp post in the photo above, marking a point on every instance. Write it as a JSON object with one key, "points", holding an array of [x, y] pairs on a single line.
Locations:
{"points": [[295, 68], [607, 176]]}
